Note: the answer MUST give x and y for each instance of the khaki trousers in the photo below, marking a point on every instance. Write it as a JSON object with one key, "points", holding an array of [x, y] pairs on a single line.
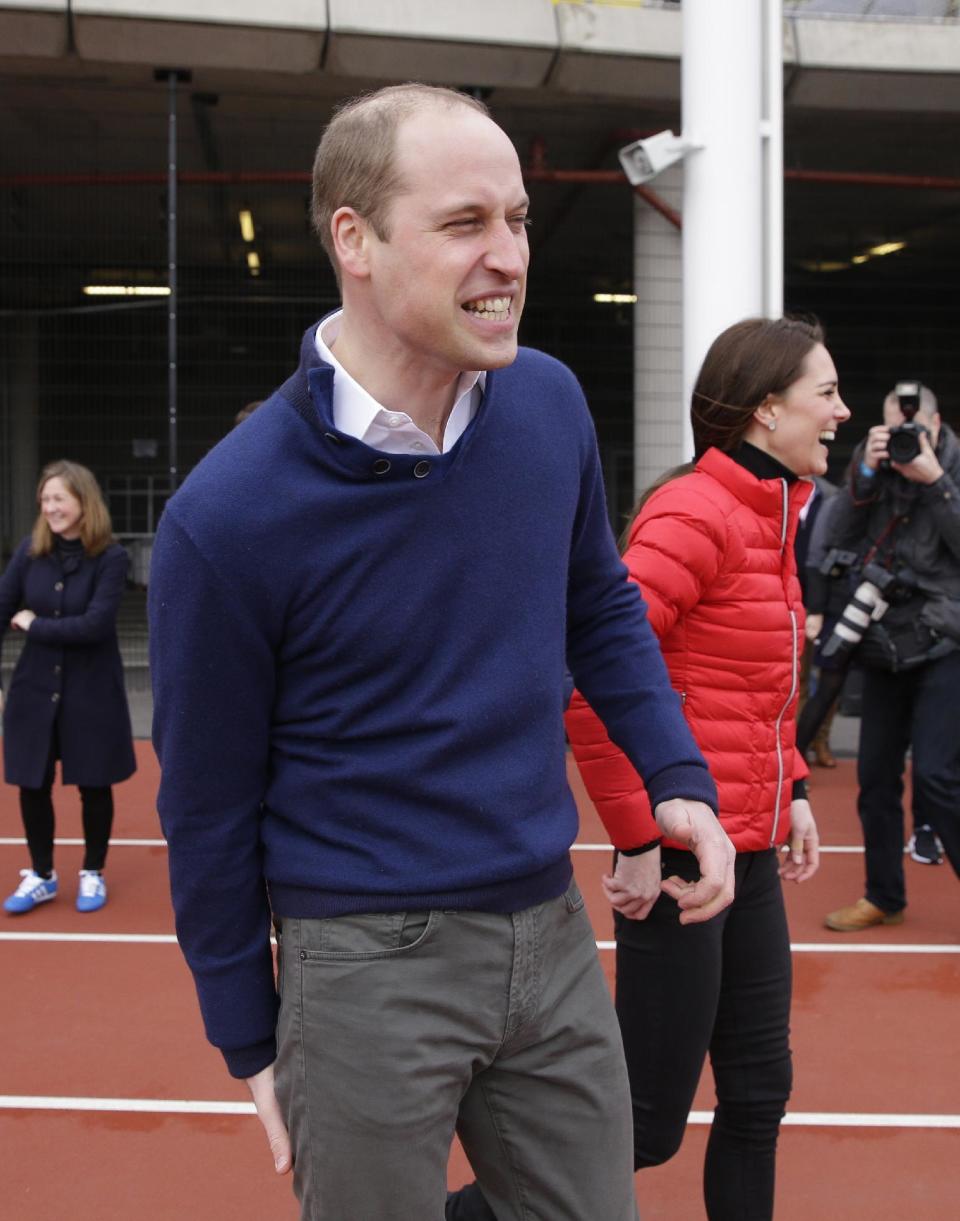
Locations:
{"points": [[398, 1029]]}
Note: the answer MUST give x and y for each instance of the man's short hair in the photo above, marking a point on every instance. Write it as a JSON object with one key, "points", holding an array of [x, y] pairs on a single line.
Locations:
{"points": [[928, 403], [355, 165]]}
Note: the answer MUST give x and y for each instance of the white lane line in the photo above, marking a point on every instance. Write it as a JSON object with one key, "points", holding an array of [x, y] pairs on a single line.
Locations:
{"points": [[166, 1106], [13, 841], [186, 1106], [834, 848], [849, 1119], [116, 938], [830, 947], [798, 947]]}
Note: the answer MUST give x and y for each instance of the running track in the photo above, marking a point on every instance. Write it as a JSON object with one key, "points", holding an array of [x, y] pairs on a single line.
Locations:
{"points": [[112, 1105]]}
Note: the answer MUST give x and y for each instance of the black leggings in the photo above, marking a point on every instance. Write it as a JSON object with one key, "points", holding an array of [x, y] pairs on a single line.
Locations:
{"points": [[723, 987], [36, 809]]}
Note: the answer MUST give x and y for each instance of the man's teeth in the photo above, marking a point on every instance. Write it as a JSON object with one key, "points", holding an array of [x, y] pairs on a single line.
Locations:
{"points": [[493, 309]]}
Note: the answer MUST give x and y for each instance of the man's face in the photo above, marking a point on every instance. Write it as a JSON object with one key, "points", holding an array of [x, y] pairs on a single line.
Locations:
{"points": [[449, 282]]}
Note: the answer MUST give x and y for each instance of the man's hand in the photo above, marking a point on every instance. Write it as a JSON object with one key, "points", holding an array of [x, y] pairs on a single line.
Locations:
{"points": [[813, 627], [875, 450], [925, 468], [268, 1111], [22, 620], [634, 886], [803, 852], [694, 824]]}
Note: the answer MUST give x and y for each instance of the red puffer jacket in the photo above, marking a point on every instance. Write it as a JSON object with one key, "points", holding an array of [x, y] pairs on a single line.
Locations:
{"points": [[713, 553]]}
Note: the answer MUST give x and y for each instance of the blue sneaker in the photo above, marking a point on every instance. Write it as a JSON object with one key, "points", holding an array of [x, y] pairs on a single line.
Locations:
{"points": [[92, 893], [33, 890]]}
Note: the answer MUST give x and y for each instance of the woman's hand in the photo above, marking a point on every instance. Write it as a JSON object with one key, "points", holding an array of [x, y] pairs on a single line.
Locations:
{"points": [[803, 851], [813, 627], [22, 620], [634, 886]]}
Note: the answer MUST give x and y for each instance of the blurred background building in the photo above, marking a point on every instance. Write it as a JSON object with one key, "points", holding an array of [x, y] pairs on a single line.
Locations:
{"points": [[872, 198]]}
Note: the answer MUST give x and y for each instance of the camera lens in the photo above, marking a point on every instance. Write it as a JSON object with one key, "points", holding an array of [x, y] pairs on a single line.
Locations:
{"points": [[904, 444]]}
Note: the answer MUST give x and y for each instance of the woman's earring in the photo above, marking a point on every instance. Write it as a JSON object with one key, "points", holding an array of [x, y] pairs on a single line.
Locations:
{"points": [[772, 425]]}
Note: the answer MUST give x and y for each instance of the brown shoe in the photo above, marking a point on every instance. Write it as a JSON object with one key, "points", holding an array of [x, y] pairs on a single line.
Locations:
{"points": [[823, 756], [862, 914]]}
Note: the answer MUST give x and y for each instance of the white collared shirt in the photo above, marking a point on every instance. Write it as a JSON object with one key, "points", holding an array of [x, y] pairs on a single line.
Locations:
{"points": [[358, 414]]}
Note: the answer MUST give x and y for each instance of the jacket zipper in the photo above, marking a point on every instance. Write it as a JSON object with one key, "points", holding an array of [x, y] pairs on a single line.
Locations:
{"points": [[793, 679]]}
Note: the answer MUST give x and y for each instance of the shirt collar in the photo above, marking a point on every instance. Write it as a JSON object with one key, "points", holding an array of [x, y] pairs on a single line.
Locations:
{"points": [[354, 410]]}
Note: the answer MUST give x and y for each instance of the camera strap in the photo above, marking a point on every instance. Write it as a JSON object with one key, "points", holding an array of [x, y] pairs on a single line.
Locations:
{"points": [[884, 534]]}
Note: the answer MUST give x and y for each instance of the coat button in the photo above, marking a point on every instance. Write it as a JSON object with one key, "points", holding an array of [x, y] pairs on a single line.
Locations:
{"points": [[56, 614], [421, 470], [55, 696], [57, 669], [58, 586], [333, 438], [381, 466]]}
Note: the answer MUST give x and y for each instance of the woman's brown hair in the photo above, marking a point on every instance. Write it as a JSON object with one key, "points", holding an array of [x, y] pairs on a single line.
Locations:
{"points": [[96, 531], [745, 363]]}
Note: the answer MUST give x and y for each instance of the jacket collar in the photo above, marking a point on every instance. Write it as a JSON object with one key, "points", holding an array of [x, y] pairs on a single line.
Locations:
{"points": [[764, 496], [758, 462]]}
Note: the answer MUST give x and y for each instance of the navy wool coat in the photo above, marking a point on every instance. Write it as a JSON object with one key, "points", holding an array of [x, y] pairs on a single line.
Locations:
{"points": [[69, 674]]}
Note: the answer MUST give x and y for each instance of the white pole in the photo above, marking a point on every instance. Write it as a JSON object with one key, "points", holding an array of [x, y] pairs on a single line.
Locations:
{"points": [[723, 212], [772, 131]]}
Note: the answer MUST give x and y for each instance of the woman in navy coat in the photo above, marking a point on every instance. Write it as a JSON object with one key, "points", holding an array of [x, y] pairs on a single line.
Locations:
{"points": [[67, 700]]}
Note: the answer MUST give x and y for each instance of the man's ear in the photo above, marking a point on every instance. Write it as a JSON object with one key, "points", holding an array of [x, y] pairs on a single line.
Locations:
{"points": [[350, 236]]}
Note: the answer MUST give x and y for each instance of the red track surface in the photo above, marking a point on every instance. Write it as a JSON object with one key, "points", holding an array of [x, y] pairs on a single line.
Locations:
{"points": [[873, 1033]]}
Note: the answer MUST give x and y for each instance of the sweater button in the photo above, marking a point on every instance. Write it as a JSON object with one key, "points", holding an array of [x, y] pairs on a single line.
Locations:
{"points": [[421, 470], [58, 586], [55, 696], [381, 466]]}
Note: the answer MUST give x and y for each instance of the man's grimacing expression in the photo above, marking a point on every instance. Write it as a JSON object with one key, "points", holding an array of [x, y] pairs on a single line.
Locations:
{"points": [[449, 281]]}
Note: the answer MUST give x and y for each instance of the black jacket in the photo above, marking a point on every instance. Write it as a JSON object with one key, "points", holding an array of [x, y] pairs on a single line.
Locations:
{"points": [[926, 537], [69, 673]]}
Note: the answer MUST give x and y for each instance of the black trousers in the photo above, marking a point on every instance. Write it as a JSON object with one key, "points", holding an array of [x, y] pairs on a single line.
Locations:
{"points": [[916, 709], [722, 987], [36, 810]]}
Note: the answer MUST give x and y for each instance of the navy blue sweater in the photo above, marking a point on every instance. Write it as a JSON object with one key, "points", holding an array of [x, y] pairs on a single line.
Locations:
{"points": [[358, 665]]}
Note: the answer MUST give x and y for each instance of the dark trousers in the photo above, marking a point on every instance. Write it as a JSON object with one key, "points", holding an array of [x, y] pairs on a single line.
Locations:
{"points": [[722, 987], [914, 709], [36, 809]]}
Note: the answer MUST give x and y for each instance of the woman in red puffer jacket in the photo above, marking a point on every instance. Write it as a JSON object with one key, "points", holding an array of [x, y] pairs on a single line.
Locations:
{"points": [[712, 550]]}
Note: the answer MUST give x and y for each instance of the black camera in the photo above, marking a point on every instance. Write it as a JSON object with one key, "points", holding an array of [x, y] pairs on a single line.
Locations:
{"points": [[904, 443]]}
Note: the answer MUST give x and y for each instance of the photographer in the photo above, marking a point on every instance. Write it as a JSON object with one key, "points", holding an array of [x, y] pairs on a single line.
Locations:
{"points": [[900, 510]]}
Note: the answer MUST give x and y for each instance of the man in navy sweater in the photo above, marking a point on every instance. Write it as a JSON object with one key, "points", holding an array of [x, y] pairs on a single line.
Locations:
{"points": [[361, 604]]}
